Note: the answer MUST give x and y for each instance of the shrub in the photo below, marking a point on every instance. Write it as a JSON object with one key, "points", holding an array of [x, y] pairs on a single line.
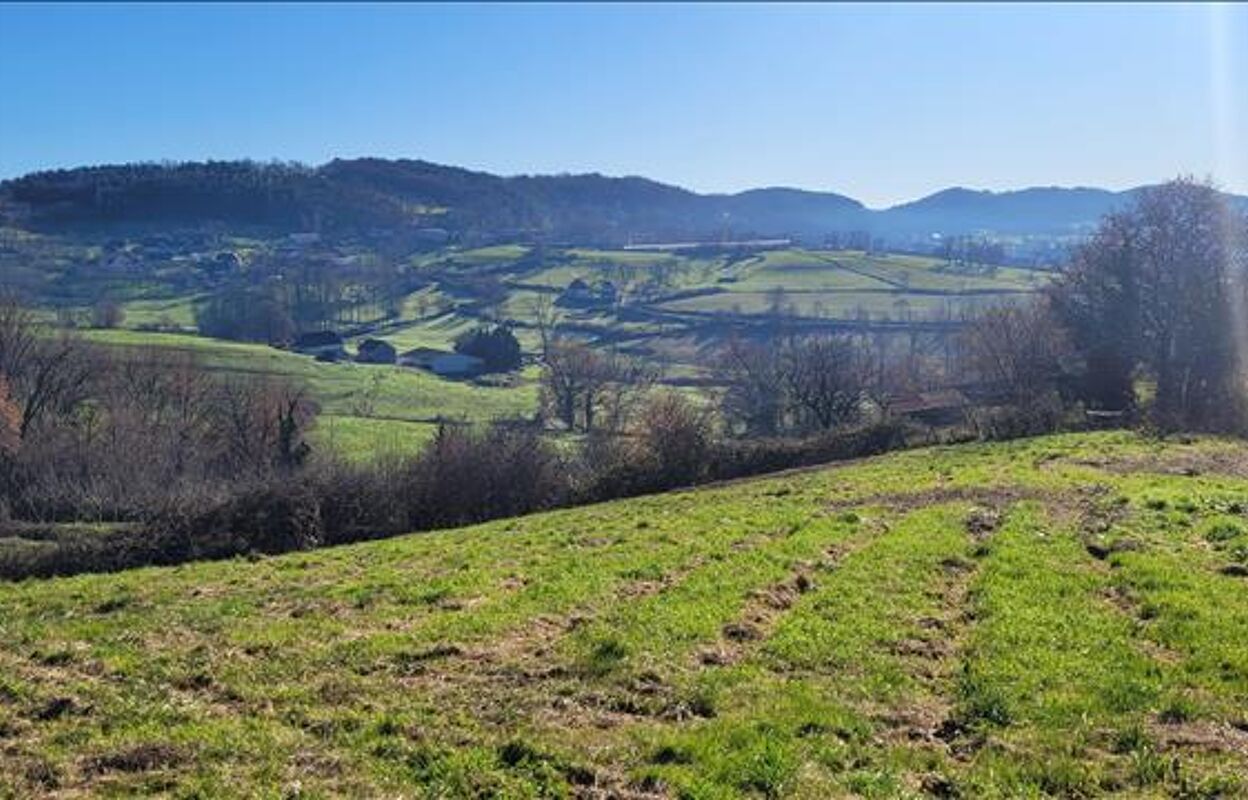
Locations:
{"points": [[497, 346]]}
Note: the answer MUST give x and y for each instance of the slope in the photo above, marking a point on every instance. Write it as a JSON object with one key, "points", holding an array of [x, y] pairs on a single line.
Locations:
{"points": [[1063, 615]]}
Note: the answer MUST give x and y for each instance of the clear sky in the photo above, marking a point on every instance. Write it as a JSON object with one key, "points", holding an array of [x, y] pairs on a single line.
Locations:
{"points": [[883, 103]]}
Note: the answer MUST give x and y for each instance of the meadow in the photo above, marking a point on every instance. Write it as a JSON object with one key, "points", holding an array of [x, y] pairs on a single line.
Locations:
{"points": [[366, 409], [1060, 616]]}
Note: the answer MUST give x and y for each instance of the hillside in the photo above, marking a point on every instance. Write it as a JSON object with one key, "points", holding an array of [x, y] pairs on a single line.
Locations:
{"points": [[371, 197], [1060, 616]]}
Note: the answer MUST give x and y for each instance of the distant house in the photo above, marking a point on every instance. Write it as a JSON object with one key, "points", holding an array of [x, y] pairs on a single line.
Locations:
{"points": [[324, 345], [441, 362], [580, 294], [303, 239], [940, 407], [376, 351]]}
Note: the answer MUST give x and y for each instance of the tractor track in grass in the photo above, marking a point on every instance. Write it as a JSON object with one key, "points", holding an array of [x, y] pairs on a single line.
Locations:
{"points": [[526, 659], [765, 607], [523, 675], [937, 656]]}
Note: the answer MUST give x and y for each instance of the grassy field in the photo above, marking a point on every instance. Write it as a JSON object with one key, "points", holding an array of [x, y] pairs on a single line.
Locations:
{"points": [[840, 285], [360, 401], [1064, 616], [366, 408]]}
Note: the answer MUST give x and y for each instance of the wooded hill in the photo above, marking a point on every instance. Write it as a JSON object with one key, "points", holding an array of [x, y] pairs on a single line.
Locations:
{"points": [[368, 195]]}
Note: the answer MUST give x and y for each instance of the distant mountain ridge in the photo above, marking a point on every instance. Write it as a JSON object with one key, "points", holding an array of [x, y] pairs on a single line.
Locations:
{"points": [[354, 196]]}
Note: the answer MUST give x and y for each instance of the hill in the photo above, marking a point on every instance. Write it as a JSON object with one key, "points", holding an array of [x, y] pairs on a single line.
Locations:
{"points": [[1036, 210], [1062, 616], [376, 197]]}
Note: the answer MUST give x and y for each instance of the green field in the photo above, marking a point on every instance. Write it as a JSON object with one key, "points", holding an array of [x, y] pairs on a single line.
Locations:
{"points": [[1064, 616], [672, 309], [844, 285], [366, 409]]}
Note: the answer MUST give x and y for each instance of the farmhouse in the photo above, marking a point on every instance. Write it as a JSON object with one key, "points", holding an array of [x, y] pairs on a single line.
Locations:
{"points": [[942, 407], [441, 362], [324, 345], [580, 294], [376, 351]]}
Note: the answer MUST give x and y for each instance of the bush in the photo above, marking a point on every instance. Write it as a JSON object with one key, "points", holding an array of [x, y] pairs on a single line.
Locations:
{"points": [[497, 346], [741, 458], [1044, 415], [466, 476]]}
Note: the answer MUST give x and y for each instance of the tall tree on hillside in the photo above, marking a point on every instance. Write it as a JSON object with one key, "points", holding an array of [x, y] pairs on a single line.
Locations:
{"points": [[1162, 286], [750, 373]]}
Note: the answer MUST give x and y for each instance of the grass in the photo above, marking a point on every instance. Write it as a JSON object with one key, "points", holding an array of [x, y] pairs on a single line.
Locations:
{"points": [[365, 407], [1044, 617]]}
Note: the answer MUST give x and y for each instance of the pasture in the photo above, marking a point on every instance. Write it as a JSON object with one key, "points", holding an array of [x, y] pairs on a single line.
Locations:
{"points": [[1057, 616]]}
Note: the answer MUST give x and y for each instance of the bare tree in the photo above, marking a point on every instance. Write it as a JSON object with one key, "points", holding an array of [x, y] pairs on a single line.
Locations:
{"points": [[752, 400], [107, 314], [825, 379], [677, 437], [579, 382], [259, 424], [46, 373], [10, 421], [1018, 348]]}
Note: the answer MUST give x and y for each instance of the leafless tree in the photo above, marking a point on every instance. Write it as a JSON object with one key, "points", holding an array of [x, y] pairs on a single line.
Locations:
{"points": [[46, 373], [107, 314], [825, 379], [10, 421], [581, 386], [1019, 348], [259, 424], [750, 371], [544, 316]]}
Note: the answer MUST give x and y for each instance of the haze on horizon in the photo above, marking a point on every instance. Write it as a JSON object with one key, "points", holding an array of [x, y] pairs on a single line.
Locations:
{"points": [[883, 104]]}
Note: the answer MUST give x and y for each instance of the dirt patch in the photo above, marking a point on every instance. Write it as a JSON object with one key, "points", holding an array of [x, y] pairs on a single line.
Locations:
{"points": [[1227, 463], [1208, 737], [914, 647], [141, 758], [1102, 550], [56, 708], [983, 522], [762, 611], [988, 500], [917, 722]]}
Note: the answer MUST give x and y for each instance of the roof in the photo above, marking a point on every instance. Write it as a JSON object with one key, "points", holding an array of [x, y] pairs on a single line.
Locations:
{"points": [[318, 339], [425, 352], [936, 400]]}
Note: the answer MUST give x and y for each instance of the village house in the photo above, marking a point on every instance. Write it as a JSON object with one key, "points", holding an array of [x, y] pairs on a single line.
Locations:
{"points": [[323, 345], [442, 362], [580, 294], [935, 408], [376, 351]]}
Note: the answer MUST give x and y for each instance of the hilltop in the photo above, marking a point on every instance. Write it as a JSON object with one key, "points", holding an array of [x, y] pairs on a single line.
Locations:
{"points": [[359, 197], [1063, 615]]}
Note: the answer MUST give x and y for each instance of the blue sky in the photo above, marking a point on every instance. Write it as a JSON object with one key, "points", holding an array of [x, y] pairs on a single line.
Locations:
{"points": [[883, 103]]}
